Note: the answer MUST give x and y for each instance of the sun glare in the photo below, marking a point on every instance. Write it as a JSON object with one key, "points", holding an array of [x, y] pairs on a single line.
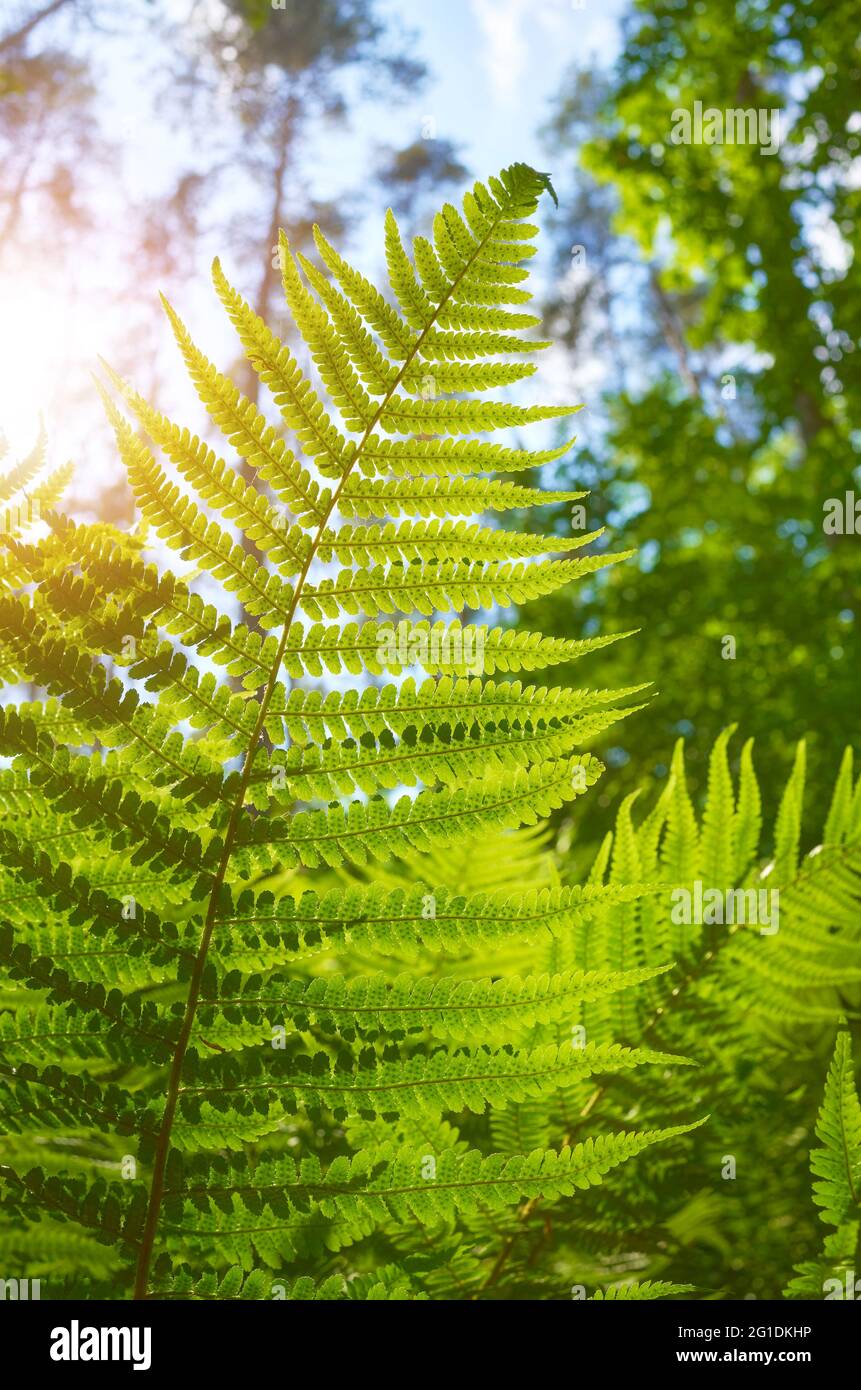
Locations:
{"points": [[48, 346]]}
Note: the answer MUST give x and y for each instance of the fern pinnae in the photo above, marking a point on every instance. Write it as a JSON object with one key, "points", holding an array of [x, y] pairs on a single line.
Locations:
{"points": [[233, 825], [245, 827]]}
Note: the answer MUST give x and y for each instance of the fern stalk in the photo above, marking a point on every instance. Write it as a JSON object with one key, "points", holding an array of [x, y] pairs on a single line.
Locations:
{"points": [[163, 1144], [160, 1018]]}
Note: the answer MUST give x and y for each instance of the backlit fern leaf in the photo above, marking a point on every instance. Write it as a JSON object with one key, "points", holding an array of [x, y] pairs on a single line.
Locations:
{"points": [[190, 925], [836, 1168]]}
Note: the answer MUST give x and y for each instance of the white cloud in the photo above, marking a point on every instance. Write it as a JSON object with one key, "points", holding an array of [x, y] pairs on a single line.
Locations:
{"points": [[506, 27]]}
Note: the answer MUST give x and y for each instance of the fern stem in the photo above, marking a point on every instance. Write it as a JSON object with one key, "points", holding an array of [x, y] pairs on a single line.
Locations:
{"points": [[163, 1141]]}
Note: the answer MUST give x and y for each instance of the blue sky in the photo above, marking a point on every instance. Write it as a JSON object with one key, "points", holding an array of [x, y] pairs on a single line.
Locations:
{"points": [[495, 67], [498, 63]]}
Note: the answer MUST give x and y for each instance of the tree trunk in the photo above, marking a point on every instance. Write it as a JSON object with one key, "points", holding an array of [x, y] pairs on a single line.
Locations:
{"points": [[10, 40]]}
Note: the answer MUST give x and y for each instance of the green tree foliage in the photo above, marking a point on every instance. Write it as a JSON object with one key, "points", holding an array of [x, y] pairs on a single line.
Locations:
{"points": [[726, 284]]}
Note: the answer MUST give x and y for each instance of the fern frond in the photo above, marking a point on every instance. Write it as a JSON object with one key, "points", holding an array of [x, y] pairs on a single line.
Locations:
{"points": [[650, 1289], [193, 811], [402, 920], [837, 1164], [450, 1008]]}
